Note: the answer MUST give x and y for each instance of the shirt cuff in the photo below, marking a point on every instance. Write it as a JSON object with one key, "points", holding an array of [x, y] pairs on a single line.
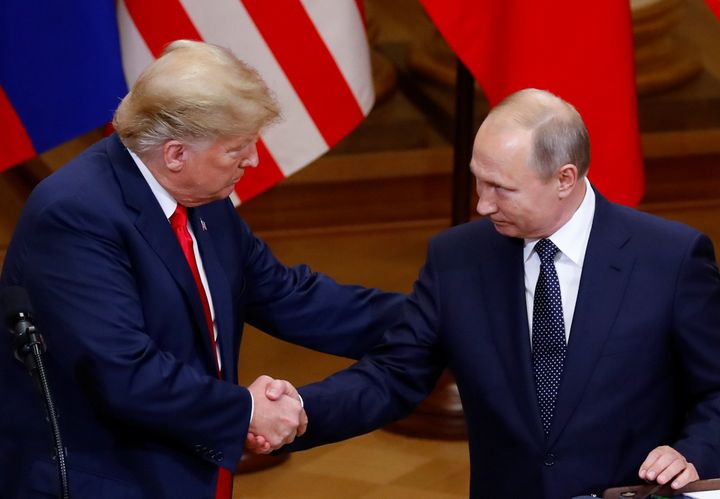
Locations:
{"points": [[252, 408]]}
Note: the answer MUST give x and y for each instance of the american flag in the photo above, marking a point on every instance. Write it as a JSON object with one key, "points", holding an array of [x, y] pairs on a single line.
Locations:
{"points": [[313, 54]]}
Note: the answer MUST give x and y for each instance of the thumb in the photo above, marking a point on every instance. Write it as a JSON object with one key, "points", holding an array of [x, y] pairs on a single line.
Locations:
{"points": [[275, 389]]}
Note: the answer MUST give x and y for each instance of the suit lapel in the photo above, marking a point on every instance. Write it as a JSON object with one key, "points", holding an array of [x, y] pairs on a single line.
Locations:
{"points": [[504, 280], [219, 290], [605, 275], [156, 230]]}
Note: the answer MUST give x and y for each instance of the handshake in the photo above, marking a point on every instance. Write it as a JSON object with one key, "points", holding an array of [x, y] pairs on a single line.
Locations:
{"points": [[278, 415]]}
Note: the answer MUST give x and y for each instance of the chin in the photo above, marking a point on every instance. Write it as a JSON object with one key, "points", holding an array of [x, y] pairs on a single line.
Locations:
{"points": [[507, 230], [226, 192]]}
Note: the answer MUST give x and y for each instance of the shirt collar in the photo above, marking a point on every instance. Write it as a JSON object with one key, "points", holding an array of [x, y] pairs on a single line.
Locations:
{"points": [[571, 239], [167, 202]]}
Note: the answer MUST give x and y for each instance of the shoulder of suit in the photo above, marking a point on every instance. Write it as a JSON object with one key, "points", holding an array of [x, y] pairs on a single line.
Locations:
{"points": [[87, 180], [465, 243], [650, 226], [466, 232]]}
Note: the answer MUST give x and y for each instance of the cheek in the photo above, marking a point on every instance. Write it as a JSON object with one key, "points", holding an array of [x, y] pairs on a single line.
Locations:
{"points": [[518, 210], [509, 204], [231, 165]]}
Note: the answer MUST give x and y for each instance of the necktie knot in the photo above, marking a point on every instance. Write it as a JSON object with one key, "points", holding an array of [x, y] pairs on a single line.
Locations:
{"points": [[546, 250], [179, 218]]}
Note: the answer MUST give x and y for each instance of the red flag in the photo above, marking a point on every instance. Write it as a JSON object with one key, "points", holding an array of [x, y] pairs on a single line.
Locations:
{"points": [[580, 51], [313, 55], [715, 6], [14, 141]]}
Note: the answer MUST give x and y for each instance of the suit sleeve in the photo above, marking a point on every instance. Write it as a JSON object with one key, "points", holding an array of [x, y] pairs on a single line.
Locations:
{"points": [[84, 289], [697, 322], [311, 309], [388, 382]]}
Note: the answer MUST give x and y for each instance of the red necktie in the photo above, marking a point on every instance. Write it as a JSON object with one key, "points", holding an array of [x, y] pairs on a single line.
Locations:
{"points": [[178, 221]]}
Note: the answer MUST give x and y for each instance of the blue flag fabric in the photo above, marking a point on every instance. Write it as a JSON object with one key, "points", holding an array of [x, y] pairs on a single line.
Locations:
{"points": [[61, 66]]}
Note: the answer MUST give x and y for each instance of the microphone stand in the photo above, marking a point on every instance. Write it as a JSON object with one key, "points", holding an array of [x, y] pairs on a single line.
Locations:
{"points": [[29, 347]]}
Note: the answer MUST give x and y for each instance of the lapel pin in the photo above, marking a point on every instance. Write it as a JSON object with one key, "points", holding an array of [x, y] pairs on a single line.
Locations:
{"points": [[202, 224]]}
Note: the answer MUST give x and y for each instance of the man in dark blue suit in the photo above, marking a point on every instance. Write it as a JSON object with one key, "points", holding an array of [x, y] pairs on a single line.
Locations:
{"points": [[595, 365], [143, 317]]}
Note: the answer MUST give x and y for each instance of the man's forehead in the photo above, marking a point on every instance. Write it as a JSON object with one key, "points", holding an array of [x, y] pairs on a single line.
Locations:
{"points": [[485, 167], [499, 144]]}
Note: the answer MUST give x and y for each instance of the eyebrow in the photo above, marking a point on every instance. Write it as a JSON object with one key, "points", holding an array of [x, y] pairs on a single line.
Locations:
{"points": [[243, 145]]}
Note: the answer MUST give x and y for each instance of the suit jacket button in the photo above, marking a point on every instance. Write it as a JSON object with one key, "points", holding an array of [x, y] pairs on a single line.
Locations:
{"points": [[219, 456], [549, 459]]}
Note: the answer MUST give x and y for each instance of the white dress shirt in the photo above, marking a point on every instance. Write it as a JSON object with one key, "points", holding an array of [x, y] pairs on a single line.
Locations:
{"points": [[571, 239]]}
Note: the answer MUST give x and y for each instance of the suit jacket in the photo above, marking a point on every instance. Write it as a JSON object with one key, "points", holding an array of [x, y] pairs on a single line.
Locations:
{"points": [[642, 366], [129, 357]]}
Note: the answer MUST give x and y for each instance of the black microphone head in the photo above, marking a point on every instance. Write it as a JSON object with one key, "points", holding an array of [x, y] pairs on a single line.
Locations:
{"points": [[14, 301]]}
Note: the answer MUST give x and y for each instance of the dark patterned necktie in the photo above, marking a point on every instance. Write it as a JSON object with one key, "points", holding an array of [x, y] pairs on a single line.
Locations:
{"points": [[548, 333]]}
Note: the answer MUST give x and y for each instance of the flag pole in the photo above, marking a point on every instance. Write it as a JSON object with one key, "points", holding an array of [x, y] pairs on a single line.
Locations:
{"points": [[440, 415], [464, 135]]}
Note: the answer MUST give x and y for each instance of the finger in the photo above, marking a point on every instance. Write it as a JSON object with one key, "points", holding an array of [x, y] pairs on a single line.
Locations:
{"points": [[659, 459], [264, 449], [689, 474], [276, 389], [255, 444], [668, 464], [260, 441], [674, 468], [649, 462], [281, 387], [263, 379], [249, 441], [261, 449]]}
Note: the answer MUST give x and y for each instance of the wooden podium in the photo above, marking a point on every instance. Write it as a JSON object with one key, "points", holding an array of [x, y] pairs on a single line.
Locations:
{"points": [[651, 491]]}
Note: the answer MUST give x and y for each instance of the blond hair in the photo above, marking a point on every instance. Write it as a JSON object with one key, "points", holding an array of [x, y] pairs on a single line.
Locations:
{"points": [[194, 92]]}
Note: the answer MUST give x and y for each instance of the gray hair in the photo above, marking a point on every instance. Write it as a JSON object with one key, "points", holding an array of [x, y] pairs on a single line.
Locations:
{"points": [[559, 134], [194, 92]]}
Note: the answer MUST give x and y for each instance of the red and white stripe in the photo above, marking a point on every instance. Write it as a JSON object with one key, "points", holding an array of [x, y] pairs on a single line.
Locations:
{"points": [[313, 54]]}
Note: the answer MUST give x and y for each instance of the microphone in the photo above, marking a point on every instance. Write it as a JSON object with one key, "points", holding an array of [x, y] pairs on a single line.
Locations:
{"points": [[15, 302], [29, 346]]}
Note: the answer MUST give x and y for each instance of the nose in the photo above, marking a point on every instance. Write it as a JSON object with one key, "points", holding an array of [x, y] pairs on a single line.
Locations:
{"points": [[486, 204], [251, 160]]}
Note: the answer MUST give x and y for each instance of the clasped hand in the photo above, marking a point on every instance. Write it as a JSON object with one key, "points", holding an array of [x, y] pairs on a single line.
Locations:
{"points": [[278, 416]]}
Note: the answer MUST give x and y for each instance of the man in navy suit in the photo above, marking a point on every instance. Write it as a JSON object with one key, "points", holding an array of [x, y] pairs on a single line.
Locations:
{"points": [[628, 387], [143, 316]]}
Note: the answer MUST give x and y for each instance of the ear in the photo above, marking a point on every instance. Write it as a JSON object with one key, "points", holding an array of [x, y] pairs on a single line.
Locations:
{"points": [[567, 178], [174, 155]]}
